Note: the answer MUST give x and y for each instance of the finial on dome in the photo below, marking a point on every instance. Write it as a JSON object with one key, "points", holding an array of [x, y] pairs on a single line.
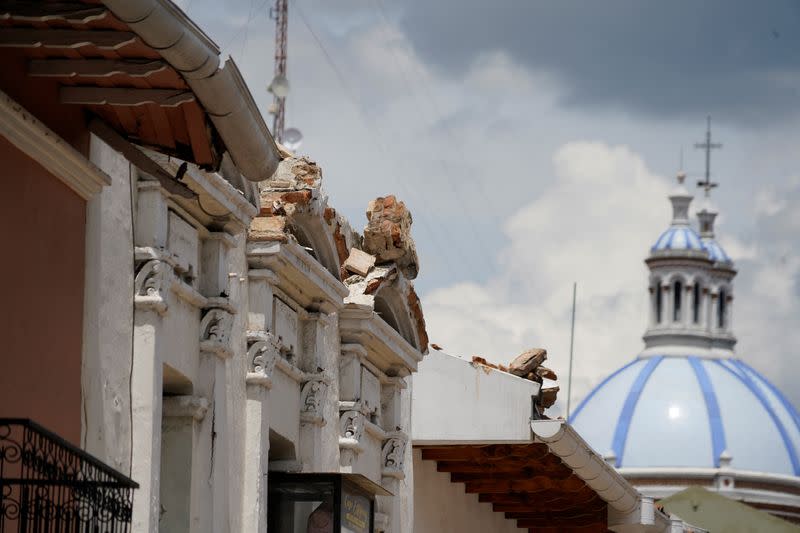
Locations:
{"points": [[725, 459], [680, 198], [706, 184], [706, 216]]}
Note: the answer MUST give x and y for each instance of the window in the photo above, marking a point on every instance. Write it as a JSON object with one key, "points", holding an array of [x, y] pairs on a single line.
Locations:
{"points": [[321, 503], [676, 309], [659, 302], [721, 309], [696, 304]]}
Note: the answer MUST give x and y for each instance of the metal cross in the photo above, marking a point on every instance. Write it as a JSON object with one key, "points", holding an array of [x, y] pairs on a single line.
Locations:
{"points": [[707, 184]]}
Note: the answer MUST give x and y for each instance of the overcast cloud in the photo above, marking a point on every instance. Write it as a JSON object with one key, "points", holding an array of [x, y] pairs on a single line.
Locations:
{"points": [[535, 142]]}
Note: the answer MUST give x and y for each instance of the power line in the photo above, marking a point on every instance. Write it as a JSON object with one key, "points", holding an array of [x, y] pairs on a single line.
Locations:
{"points": [[376, 137], [252, 15], [381, 8]]}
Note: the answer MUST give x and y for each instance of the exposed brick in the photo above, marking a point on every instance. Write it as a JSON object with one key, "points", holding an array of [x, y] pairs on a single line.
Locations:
{"points": [[359, 262], [388, 235], [297, 197], [263, 229], [416, 312]]}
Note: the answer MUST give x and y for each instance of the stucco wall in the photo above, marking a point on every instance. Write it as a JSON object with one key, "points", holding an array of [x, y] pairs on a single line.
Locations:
{"points": [[43, 251], [441, 506], [456, 401], [108, 313]]}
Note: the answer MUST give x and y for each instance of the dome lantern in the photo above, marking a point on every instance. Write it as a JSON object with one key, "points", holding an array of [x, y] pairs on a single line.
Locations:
{"points": [[687, 411]]}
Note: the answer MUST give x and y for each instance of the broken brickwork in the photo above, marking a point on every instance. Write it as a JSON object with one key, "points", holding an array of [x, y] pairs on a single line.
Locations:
{"points": [[528, 365], [381, 262]]}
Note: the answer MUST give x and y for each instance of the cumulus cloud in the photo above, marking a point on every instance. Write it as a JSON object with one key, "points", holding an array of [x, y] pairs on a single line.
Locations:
{"points": [[593, 226], [767, 304], [466, 121], [660, 58]]}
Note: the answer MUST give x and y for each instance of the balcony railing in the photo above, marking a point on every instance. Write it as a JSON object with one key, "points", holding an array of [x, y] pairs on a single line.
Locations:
{"points": [[47, 485]]}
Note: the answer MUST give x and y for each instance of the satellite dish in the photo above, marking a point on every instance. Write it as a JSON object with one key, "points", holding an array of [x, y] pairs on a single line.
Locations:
{"points": [[292, 138], [279, 86]]}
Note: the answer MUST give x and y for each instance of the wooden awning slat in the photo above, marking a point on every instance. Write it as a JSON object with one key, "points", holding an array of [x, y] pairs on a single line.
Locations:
{"points": [[38, 11], [530, 485], [94, 68], [526, 482], [62, 38], [124, 96]]}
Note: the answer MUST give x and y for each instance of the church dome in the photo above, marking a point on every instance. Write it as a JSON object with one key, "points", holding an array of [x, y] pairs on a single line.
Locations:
{"points": [[679, 238], [687, 412], [715, 251]]}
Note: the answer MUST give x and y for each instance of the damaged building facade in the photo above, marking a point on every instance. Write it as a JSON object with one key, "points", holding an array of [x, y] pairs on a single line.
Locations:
{"points": [[214, 336], [206, 345]]}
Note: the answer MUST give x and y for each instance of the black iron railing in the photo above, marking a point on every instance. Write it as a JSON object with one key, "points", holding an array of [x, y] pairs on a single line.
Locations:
{"points": [[47, 485]]}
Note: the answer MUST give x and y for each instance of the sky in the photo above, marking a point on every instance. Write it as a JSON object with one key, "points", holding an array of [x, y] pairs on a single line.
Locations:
{"points": [[535, 144]]}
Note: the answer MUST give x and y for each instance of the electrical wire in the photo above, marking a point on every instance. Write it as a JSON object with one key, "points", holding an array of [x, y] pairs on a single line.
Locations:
{"points": [[376, 138], [246, 30], [494, 210], [251, 15]]}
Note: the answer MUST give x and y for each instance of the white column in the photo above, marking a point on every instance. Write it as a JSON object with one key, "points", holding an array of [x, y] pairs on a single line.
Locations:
{"points": [[261, 359], [713, 298], [686, 312], [108, 314], [319, 430], [729, 313], [180, 476], [146, 391], [652, 300]]}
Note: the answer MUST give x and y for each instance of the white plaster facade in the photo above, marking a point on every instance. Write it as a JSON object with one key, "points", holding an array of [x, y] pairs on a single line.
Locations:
{"points": [[211, 361], [459, 403]]}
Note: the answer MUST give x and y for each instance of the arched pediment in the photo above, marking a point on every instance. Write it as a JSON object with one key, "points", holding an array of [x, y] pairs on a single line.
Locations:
{"points": [[311, 232], [390, 305]]}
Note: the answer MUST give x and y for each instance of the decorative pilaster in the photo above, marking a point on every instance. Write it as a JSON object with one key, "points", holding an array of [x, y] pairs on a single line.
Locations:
{"points": [[351, 430], [263, 354], [393, 456], [215, 333], [150, 285], [312, 397]]}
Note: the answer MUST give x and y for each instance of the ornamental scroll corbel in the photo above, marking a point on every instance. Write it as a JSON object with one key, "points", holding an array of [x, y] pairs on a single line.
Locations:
{"points": [[215, 333], [393, 457], [351, 429], [150, 285], [262, 356], [312, 397]]}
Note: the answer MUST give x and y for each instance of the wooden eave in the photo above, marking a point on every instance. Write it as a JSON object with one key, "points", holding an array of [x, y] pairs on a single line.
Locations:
{"points": [[526, 482], [106, 69]]}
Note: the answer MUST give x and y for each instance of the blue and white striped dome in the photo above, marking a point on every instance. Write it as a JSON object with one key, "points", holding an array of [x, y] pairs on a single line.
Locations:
{"points": [[678, 238], [676, 411], [715, 251]]}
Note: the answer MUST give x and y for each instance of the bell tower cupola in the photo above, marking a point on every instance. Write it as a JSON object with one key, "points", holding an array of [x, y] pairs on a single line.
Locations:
{"points": [[690, 283]]}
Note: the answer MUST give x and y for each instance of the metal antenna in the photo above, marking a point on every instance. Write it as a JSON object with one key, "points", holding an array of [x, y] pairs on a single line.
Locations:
{"points": [[281, 15], [571, 345], [707, 184]]}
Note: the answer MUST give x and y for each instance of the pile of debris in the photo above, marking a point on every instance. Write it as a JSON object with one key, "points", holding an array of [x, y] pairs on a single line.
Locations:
{"points": [[294, 208], [387, 256], [528, 365], [292, 199]]}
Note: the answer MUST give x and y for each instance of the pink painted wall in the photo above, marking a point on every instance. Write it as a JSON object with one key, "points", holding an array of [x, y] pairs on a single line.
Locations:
{"points": [[43, 276]]}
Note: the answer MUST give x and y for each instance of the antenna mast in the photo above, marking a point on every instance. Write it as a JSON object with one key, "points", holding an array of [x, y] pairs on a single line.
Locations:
{"points": [[281, 15], [707, 184], [571, 346]]}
